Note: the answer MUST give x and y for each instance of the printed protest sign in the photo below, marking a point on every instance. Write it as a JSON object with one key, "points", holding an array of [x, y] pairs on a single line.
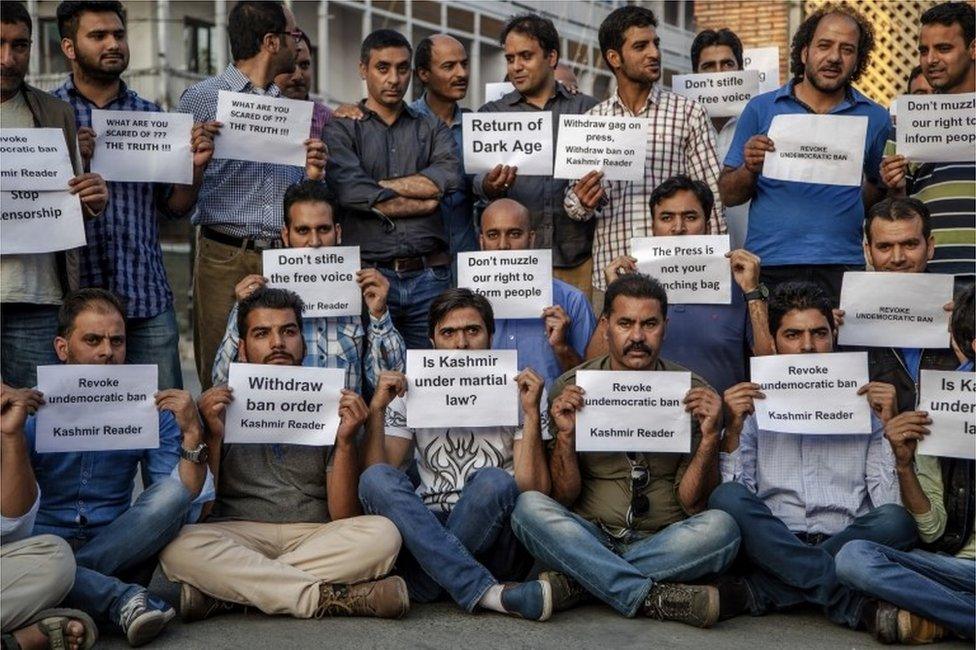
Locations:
{"points": [[766, 61], [950, 400], [902, 310], [324, 278], [812, 393], [937, 128], [34, 159], [616, 146], [40, 222], [692, 268], [497, 90], [262, 129], [723, 94], [143, 147], [517, 283], [633, 411], [97, 408], [291, 405], [523, 139], [824, 149], [462, 388]]}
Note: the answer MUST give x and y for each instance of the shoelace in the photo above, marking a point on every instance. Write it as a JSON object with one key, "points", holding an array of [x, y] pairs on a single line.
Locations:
{"points": [[679, 605], [132, 609]]}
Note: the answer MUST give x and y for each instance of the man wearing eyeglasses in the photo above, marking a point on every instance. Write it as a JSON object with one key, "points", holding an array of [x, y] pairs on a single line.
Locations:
{"points": [[628, 528]]}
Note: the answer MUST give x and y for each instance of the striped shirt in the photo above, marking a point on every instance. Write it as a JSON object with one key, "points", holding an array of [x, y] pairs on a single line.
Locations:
{"points": [[680, 140], [949, 192], [123, 253]]}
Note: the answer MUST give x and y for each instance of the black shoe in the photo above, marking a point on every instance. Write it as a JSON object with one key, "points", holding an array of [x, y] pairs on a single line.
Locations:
{"points": [[881, 620], [696, 605], [733, 596]]}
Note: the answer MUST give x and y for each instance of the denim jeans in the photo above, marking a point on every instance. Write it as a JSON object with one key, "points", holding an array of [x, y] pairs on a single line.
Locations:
{"points": [[409, 299], [156, 340], [133, 539], [621, 572], [786, 571], [26, 341], [448, 552], [938, 587]]}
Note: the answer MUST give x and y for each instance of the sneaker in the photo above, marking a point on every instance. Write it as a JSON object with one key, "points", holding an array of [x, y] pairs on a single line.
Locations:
{"points": [[915, 630], [142, 621], [566, 592], [530, 600], [386, 598], [696, 605], [196, 605]]}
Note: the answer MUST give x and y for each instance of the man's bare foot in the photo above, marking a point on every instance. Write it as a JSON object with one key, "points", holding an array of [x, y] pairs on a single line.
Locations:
{"points": [[32, 638]]}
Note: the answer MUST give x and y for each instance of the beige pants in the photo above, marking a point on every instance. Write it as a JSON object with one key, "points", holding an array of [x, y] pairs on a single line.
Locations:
{"points": [[278, 567], [218, 268], [35, 573], [580, 277]]}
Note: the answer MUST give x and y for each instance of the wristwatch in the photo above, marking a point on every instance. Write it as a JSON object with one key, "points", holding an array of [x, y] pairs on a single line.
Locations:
{"points": [[198, 455], [759, 293]]}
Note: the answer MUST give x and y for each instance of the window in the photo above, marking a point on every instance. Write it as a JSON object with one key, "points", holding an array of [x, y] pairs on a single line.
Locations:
{"points": [[689, 15], [52, 60], [672, 10], [198, 46]]}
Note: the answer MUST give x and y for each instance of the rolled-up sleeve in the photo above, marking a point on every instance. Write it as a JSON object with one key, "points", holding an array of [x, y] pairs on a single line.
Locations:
{"points": [[740, 465], [14, 529], [345, 175], [445, 167], [880, 477], [385, 349]]}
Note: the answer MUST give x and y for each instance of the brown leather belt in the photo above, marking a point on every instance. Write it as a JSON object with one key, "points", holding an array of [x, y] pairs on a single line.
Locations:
{"points": [[405, 264], [237, 242]]}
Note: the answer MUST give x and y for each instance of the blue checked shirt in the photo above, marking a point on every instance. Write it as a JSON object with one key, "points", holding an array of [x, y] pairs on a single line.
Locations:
{"points": [[123, 253], [238, 198], [332, 343]]}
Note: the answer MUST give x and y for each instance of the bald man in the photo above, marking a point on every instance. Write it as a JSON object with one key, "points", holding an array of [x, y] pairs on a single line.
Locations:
{"points": [[556, 341]]}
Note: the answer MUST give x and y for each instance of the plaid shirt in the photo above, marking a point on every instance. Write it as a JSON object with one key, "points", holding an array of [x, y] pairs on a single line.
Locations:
{"points": [[238, 198], [680, 140], [332, 343], [123, 253]]}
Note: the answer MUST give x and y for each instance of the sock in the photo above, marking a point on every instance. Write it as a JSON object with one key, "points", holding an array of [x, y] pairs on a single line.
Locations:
{"points": [[493, 599]]}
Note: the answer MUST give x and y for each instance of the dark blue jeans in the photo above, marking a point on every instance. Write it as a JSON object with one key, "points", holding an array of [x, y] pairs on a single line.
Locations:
{"points": [[786, 571], [156, 340], [26, 341], [938, 587], [464, 552], [409, 301]]}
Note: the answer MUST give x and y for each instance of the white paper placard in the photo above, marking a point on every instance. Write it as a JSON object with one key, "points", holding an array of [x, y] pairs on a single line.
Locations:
{"points": [[766, 61], [616, 146], [324, 278], [824, 149], [34, 159], [40, 222], [142, 146], [496, 90], [462, 388], [633, 410], [97, 408], [262, 129], [523, 139], [723, 94], [937, 128], [290, 405], [950, 400], [901, 310], [518, 284], [692, 268]]}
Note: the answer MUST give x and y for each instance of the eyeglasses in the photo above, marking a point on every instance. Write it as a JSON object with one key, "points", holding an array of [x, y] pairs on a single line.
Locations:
{"points": [[295, 33], [640, 478]]}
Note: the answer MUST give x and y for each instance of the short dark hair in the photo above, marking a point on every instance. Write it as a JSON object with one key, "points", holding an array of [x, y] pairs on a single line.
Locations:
{"points": [[713, 37], [422, 55], [962, 324], [534, 26], [680, 182], [949, 13], [248, 23], [382, 39], [69, 13], [266, 298], [460, 298], [896, 208], [804, 36], [309, 191], [912, 76], [615, 25], [635, 285], [13, 12], [82, 300], [798, 296]]}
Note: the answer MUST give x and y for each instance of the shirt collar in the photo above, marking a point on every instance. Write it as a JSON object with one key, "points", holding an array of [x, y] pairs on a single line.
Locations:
{"points": [[515, 96], [851, 96], [409, 110], [966, 367], [421, 107], [237, 81], [69, 85], [653, 97]]}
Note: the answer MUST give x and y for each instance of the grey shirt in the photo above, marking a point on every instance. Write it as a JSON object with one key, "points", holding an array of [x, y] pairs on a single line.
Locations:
{"points": [[571, 241], [364, 152]]}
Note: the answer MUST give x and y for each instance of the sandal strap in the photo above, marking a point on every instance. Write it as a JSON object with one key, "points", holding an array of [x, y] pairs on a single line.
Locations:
{"points": [[54, 629]]}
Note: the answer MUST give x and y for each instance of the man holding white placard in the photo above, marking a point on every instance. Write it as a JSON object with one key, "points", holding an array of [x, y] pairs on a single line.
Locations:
{"points": [[629, 527], [455, 525], [797, 498], [285, 534], [363, 351]]}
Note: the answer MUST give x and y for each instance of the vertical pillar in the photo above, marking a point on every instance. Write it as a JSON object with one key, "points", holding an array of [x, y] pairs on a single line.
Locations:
{"points": [[220, 35], [162, 38], [323, 46]]}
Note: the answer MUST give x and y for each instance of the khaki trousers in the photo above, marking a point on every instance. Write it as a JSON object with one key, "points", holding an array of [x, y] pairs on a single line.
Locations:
{"points": [[217, 269], [580, 277], [278, 567], [35, 573]]}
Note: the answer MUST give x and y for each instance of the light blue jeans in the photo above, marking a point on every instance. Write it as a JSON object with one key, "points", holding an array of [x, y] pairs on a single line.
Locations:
{"points": [[26, 341], [409, 298], [156, 340]]}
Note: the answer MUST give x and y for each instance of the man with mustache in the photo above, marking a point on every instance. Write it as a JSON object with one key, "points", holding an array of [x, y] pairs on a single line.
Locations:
{"points": [[809, 231], [296, 85]]}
